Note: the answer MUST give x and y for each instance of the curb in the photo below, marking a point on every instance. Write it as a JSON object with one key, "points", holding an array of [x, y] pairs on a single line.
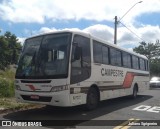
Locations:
{"points": [[9, 110], [5, 110]]}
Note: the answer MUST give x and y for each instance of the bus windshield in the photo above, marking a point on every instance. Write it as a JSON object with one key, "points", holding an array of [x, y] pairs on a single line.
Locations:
{"points": [[45, 57]]}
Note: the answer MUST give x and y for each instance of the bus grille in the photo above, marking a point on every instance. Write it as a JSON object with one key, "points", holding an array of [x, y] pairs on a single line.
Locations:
{"points": [[41, 98]]}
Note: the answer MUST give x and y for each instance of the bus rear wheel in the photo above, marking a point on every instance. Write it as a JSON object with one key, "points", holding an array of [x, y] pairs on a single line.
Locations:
{"points": [[92, 99], [135, 91]]}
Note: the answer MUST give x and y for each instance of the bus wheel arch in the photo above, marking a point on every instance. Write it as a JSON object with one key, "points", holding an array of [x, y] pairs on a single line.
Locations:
{"points": [[93, 97], [135, 91]]}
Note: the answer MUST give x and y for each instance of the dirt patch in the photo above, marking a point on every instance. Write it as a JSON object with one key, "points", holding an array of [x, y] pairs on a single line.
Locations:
{"points": [[10, 105]]}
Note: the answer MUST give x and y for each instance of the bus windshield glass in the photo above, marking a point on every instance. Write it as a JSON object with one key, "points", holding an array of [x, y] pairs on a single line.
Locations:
{"points": [[45, 57]]}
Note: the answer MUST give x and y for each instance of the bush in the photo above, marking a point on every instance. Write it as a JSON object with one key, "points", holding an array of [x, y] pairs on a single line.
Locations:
{"points": [[7, 83], [8, 74], [6, 87]]}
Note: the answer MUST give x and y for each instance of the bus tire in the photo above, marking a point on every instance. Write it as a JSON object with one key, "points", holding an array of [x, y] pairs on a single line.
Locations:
{"points": [[92, 99], [135, 91]]}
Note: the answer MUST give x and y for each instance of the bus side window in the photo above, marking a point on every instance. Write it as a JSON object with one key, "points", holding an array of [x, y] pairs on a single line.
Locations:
{"points": [[81, 63], [142, 64], [146, 65], [105, 54], [115, 57], [126, 59], [135, 62], [97, 52]]}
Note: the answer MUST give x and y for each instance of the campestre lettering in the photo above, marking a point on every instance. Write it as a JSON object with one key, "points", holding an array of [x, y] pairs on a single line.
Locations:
{"points": [[111, 72]]}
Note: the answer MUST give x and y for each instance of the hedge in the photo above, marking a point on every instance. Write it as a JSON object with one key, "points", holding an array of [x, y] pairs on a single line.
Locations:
{"points": [[6, 87]]}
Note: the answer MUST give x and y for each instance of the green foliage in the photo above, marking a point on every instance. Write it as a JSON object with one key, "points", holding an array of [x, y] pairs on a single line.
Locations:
{"points": [[7, 83], [8, 74], [155, 67], [9, 50], [152, 52], [3, 53], [11, 103], [6, 88]]}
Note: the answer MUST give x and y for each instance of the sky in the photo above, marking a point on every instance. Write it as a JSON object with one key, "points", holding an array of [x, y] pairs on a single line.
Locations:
{"points": [[26, 18]]}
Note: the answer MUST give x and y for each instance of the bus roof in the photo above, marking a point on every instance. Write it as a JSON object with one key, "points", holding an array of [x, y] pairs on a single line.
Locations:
{"points": [[93, 38]]}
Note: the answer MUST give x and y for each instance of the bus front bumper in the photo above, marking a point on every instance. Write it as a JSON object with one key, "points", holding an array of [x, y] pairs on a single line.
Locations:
{"points": [[48, 98]]}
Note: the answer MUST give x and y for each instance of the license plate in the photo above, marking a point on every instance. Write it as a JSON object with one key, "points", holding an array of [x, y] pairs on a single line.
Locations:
{"points": [[34, 97]]}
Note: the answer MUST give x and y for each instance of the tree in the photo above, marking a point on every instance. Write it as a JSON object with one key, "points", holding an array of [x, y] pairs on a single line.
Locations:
{"points": [[3, 53], [9, 50], [155, 67], [14, 47], [152, 52]]}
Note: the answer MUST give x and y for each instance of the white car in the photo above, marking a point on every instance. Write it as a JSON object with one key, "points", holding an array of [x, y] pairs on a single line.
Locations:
{"points": [[155, 82]]}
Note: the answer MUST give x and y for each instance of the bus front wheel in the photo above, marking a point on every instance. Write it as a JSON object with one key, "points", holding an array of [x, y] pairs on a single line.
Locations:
{"points": [[92, 99]]}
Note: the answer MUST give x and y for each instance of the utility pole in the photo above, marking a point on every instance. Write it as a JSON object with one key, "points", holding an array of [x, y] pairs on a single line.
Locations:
{"points": [[116, 22], [115, 30]]}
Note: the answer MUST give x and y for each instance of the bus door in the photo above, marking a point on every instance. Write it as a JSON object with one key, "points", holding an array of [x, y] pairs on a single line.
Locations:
{"points": [[81, 59]]}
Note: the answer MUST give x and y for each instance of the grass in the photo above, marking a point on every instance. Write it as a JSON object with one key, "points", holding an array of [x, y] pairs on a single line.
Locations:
{"points": [[10, 103], [7, 99], [8, 74], [7, 83]]}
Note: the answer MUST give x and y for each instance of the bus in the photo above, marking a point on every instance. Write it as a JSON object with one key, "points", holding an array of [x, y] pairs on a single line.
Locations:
{"points": [[69, 68]]}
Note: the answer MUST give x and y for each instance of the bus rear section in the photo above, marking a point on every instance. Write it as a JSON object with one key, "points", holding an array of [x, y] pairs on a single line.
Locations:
{"points": [[118, 72]]}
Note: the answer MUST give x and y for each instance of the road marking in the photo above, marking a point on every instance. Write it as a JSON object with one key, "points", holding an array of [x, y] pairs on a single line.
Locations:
{"points": [[147, 108], [128, 126], [125, 125]]}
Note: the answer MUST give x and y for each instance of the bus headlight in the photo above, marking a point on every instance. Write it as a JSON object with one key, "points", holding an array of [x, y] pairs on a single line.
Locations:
{"points": [[59, 88]]}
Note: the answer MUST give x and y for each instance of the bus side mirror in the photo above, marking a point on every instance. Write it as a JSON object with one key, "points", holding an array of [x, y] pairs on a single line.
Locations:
{"points": [[77, 53]]}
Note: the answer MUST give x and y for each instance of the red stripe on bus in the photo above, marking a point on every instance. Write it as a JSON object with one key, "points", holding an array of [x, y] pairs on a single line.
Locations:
{"points": [[128, 80], [31, 87]]}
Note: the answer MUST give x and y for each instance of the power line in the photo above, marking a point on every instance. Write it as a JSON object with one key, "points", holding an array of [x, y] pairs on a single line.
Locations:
{"points": [[131, 31]]}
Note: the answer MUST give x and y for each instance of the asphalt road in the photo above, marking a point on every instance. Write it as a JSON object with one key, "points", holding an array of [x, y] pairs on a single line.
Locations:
{"points": [[112, 113]]}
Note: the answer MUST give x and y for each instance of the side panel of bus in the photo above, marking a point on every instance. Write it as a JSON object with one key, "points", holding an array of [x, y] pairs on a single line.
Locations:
{"points": [[113, 80]]}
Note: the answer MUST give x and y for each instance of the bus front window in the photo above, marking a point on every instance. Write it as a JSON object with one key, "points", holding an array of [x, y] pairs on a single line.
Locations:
{"points": [[27, 61], [53, 54], [45, 57]]}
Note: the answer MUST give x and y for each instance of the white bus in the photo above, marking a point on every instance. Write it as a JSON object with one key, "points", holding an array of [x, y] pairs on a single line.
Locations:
{"points": [[69, 68]]}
